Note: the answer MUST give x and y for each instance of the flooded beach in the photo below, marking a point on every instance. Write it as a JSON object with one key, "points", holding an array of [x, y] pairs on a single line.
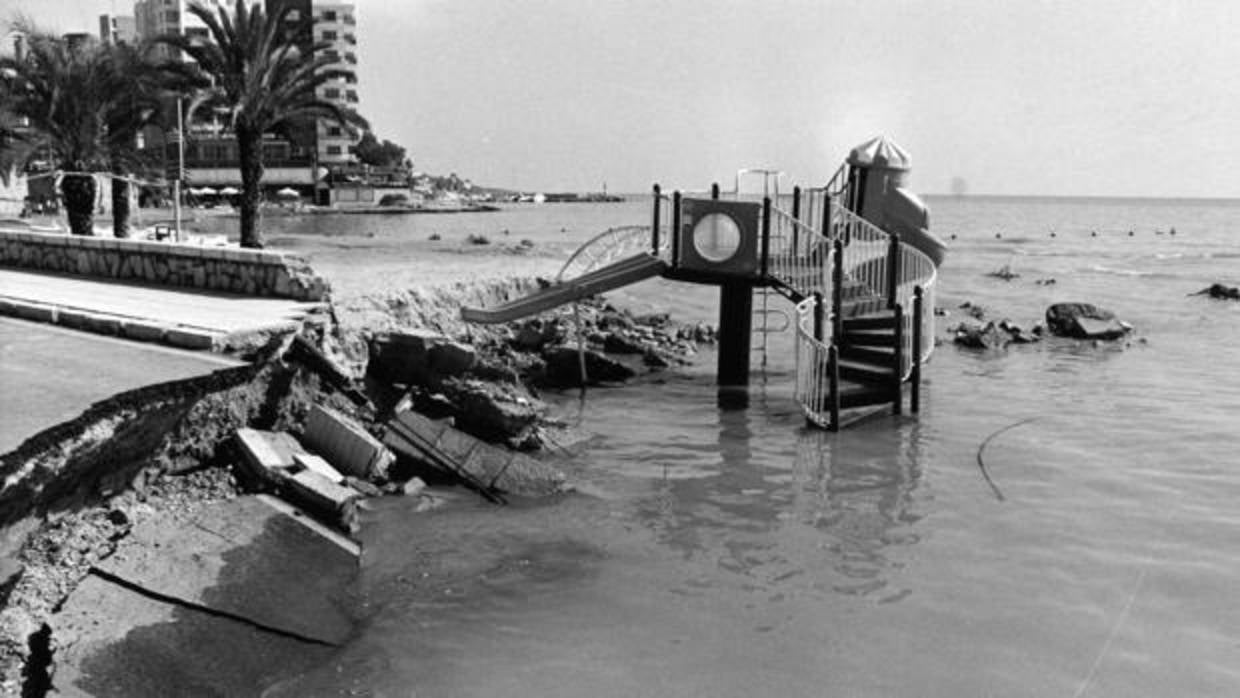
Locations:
{"points": [[736, 552]]}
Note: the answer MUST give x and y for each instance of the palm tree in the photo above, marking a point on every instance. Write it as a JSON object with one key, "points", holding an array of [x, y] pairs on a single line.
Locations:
{"points": [[262, 83], [84, 102]]}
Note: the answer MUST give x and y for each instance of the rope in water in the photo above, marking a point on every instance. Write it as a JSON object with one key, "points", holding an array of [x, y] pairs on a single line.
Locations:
{"points": [[981, 464]]}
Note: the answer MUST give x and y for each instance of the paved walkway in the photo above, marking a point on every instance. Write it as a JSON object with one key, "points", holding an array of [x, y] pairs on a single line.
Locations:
{"points": [[188, 318], [50, 375]]}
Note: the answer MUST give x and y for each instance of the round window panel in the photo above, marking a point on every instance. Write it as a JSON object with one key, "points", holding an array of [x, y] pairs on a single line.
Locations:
{"points": [[716, 237]]}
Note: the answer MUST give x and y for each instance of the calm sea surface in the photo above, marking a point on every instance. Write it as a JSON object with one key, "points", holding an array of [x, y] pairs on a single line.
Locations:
{"points": [[738, 553]]}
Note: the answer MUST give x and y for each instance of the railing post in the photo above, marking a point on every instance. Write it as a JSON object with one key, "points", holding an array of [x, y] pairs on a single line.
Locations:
{"points": [[714, 191], [654, 227], [827, 231], [675, 232], [833, 384], [819, 315], [766, 233], [897, 381], [837, 292], [915, 378], [796, 215], [893, 270]]}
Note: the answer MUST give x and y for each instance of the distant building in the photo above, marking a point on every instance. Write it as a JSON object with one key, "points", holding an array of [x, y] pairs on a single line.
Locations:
{"points": [[115, 29], [307, 159]]}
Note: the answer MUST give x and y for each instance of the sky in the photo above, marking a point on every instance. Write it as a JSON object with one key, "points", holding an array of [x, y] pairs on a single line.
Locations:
{"points": [[1015, 97]]}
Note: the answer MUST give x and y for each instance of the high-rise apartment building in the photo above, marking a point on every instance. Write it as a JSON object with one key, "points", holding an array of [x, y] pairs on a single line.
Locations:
{"points": [[114, 29], [315, 149]]}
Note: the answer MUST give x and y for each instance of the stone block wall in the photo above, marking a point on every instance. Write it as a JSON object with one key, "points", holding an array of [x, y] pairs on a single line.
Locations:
{"points": [[227, 269]]}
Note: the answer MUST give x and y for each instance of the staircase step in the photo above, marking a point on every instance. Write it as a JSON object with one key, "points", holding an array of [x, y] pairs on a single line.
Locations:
{"points": [[867, 355], [863, 396], [870, 322], [862, 338], [864, 372]]}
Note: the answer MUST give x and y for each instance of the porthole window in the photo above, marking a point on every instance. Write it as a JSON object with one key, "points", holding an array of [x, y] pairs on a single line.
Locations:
{"points": [[716, 237]]}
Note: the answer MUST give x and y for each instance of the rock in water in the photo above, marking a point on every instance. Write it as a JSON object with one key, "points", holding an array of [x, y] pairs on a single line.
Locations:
{"points": [[1221, 292], [1084, 321], [981, 337], [564, 369]]}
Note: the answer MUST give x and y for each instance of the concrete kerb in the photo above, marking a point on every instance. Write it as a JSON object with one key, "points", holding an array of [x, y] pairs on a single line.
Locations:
{"points": [[192, 339]]}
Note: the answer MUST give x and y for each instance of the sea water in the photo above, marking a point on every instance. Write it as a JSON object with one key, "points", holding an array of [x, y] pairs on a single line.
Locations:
{"points": [[736, 552]]}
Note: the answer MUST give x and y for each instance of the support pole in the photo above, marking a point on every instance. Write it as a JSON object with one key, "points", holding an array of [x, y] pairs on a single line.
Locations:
{"points": [[714, 191], [827, 231], [897, 375], [915, 379], [893, 270], [819, 315], [837, 292], [654, 224], [675, 232], [735, 332], [176, 183], [833, 382], [766, 234], [796, 215]]}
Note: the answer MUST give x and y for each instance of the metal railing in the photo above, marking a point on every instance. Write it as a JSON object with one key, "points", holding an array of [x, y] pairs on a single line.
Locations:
{"points": [[797, 254], [877, 272]]}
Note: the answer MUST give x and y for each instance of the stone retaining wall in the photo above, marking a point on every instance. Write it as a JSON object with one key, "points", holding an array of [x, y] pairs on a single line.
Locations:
{"points": [[228, 269]]}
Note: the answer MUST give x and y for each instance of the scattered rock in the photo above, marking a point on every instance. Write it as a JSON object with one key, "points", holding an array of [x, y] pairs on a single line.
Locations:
{"points": [[1220, 292], [494, 412], [1004, 272], [974, 336], [415, 485], [564, 369], [1084, 321], [620, 343]]}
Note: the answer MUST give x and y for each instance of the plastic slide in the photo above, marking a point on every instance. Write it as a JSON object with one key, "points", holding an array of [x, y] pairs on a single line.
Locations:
{"points": [[626, 271]]}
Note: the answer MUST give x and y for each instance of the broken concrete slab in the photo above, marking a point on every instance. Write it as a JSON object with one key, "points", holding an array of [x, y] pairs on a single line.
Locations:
{"points": [[263, 456], [318, 464], [345, 444], [480, 464], [335, 502], [224, 603], [402, 356], [244, 558]]}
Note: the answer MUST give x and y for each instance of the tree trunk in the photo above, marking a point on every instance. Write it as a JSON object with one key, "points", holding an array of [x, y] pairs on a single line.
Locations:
{"points": [[79, 194], [120, 204], [250, 148]]}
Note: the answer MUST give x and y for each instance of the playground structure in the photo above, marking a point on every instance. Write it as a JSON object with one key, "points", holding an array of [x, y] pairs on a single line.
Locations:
{"points": [[855, 257]]}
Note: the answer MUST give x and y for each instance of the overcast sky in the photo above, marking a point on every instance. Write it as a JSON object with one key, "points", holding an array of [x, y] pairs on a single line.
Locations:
{"points": [[1090, 97]]}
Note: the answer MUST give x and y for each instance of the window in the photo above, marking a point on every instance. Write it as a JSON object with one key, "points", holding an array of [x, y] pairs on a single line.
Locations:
{"points": [[172, 17], [350, 58], [329, 16], [351, 96], [331, 93], [329, 36], [333, 55], [334, 131], [333, 150]]}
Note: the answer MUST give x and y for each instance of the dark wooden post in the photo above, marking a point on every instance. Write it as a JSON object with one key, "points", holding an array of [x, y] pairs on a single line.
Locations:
{"points": [[675, 232], [766, 233], [837, 292], [918, 309], [897, 376], [654, 227], [833, 385], [893, 270]]}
